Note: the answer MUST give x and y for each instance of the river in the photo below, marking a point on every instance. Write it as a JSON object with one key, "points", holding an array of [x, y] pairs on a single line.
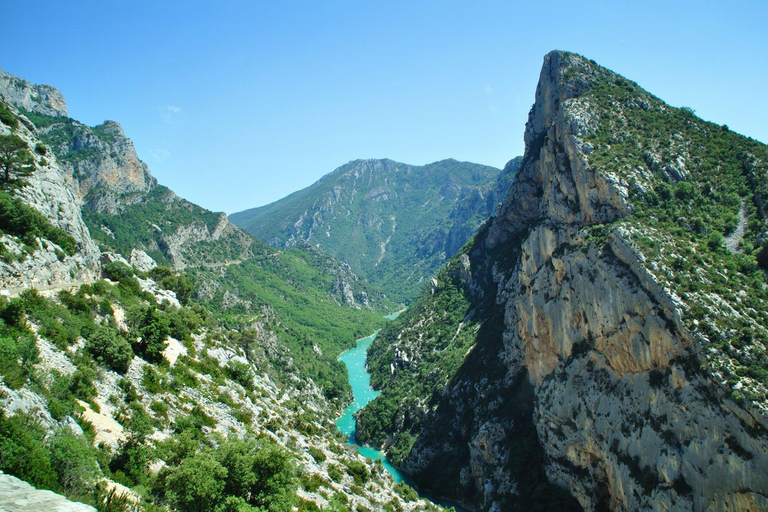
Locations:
{"points": [[363, 394]]}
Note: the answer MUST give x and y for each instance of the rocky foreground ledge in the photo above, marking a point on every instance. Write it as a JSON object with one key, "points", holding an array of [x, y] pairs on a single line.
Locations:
{"points": [[18, 496]]}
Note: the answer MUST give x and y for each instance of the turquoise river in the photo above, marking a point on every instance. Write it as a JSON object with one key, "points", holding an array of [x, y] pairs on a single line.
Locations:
{"points": [[363, 393]]}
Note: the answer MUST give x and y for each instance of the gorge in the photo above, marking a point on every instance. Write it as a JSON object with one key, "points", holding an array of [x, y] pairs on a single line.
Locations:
{"points": [[586, 328]]}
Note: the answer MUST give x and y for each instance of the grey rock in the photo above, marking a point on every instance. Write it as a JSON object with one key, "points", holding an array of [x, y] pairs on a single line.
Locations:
{"points": [[41, 99], [18, 496], [142, 261]]}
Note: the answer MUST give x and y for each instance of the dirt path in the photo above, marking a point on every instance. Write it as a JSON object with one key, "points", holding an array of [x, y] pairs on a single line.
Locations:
{"points": [[15, 292]]}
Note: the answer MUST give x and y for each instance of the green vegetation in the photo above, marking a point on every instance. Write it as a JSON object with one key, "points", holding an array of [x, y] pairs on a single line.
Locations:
{"points": [[693, 185], [146, 224], [16, 162], [441, 350], [26, 223], [43, 121], [109, 348], [291, 296], [394, 224], [7, 117]]}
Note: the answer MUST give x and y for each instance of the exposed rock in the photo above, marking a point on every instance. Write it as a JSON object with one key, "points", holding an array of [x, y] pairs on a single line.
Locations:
{"points": [[41, 99], [627, 414], [18, 496], [393, 223], [50, 192], [142, 261]]}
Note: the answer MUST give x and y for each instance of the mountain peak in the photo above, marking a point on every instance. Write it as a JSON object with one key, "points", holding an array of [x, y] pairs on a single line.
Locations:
{"points": [[40, 99]]}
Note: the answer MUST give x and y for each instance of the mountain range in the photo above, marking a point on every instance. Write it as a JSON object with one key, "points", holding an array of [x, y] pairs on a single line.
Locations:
{"points": [[394, 224]]}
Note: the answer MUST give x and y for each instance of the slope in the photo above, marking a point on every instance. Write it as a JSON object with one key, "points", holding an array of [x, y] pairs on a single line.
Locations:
{"points": [[395, 224], [597, 334], [209, 385]]}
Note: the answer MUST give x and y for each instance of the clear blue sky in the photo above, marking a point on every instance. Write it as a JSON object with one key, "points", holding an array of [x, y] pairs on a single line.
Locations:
{"points": [[237, 104]]}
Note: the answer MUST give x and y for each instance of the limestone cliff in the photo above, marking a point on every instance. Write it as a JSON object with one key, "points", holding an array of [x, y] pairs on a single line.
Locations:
{"points": [[121, 201], [41, 99], [51, 191], [104, 163], [612, 335]]}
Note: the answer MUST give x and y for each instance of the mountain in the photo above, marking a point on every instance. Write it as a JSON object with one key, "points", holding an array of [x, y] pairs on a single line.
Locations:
{"points": [[155, 355], [601, 342], [395, 224]]}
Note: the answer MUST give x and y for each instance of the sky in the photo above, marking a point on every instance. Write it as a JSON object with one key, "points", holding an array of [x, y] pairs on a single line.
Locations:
{"points": [[237, 104]]}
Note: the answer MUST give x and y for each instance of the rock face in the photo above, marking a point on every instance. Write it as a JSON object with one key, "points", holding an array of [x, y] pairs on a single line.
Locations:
{"points": [[394, 223], [50, 191], [625, 407], [41, 99], [115, 178], [121, 202], [18, 496]]}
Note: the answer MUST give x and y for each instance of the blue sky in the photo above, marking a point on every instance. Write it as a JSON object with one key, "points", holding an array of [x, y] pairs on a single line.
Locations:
{"points": [[237, 104]]}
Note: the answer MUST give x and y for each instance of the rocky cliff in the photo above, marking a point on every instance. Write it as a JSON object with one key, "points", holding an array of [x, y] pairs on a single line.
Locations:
{"points": [[615, 343], [41, 99], [51, 191]]}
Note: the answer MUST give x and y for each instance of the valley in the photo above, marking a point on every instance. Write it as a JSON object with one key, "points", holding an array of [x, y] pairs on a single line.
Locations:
{"points": [[584, 329]]}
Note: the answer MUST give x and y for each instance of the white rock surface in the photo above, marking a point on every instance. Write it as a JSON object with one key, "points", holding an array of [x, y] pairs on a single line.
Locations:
{"points": [[18, 496]]}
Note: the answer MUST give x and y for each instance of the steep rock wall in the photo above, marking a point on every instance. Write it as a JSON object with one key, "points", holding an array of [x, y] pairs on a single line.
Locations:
{"points": [[625, 409], [50, 190]]}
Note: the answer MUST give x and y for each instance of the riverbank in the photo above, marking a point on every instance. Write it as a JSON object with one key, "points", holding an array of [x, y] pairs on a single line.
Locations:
{"points": [[363, 394]]}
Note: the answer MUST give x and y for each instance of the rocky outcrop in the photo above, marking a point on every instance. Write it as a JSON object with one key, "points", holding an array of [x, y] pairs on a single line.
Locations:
{"points": [[50, 191], [394, 223], [18, 496], [40, 99], [103, 160], [624, 406]]}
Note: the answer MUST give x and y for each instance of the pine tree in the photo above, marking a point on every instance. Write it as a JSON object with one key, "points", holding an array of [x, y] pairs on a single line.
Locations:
{"points": [[15, 161]]}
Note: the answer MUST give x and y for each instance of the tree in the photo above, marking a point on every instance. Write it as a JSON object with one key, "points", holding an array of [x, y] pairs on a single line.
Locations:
{"points": [[197, 483], [15, 161], [152, 327], [110, 349]]}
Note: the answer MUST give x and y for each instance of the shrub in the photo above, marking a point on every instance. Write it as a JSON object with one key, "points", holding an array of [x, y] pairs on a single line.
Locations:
{"points": [[197, 483], [152, 327], [317, 454], [18, 219], [23, 452], [74, 462], [7, 117], [110, 349], [117, 271], [18, 355], [358, 471]]}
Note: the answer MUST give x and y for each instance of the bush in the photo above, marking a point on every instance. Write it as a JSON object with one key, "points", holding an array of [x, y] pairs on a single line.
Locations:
{"points": [[358, 471], [317, 454], [117, 271], [110, 349], [153, 329], [23, 452], [81, 383], [197, 483], [74, 461], [7, 117], [18, 219], [18, 355]]}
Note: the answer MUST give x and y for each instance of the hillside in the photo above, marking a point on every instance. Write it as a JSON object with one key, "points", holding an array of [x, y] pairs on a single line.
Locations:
{"points": [[209, 381], [601, 343], [394, 224]]}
